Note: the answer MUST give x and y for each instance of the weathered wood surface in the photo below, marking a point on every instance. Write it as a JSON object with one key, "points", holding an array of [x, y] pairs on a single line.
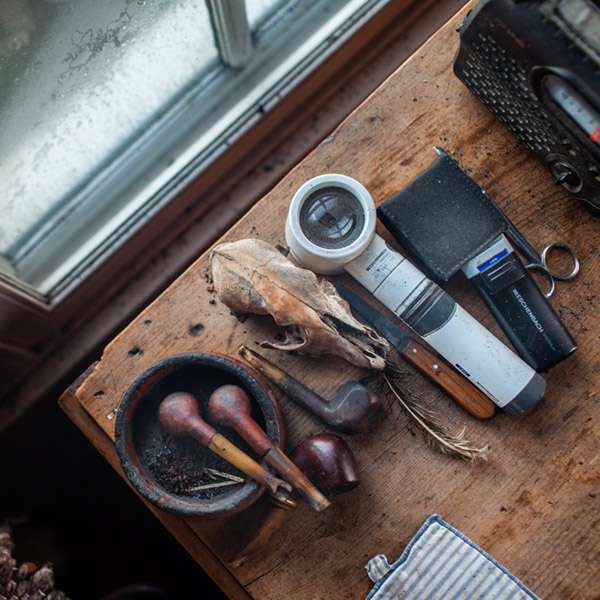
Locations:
{"points": [[535, 504]]}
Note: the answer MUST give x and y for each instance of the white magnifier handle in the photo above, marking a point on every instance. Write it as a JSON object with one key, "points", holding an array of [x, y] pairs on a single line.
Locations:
{"points": [[331, 228], [466, 344]]}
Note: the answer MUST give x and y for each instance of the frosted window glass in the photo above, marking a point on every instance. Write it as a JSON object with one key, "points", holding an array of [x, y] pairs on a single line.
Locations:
{"points": [[78, 81]]}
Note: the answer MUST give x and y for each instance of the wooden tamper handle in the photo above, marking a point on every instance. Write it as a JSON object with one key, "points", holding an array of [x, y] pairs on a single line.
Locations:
{"points": [[229, 405], [178, 413]]}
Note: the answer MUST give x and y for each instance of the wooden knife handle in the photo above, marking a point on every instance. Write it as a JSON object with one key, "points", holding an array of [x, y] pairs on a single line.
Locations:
{"points": [[458, 387]]}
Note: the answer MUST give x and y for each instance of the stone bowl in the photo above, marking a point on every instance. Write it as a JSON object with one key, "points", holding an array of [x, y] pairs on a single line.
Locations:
{"points": [[178, 474]]}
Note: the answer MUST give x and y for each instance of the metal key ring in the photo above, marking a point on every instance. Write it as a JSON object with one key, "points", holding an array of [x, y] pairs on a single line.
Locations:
{"points": [[572, 254]]}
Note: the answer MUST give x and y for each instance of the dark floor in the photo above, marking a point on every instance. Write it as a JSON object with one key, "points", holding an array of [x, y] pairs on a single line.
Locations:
{"points": [[73, 510]]}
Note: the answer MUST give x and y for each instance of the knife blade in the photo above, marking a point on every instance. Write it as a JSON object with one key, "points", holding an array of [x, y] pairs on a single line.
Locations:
{"points": [[435, 368]]}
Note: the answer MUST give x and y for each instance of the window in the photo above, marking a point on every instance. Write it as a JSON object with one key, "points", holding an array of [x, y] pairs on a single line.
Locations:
{"points": [[112, 102], [118, 117]]}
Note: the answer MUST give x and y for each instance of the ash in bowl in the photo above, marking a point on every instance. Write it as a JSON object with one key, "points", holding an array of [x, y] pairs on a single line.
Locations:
{"points": [[180, 475]]}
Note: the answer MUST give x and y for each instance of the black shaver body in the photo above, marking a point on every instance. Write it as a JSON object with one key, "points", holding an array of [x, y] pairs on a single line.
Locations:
{"points": [[519, 306]]}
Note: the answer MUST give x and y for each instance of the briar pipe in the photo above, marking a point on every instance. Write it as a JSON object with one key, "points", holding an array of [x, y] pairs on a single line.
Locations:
{"points": [[229, 406], [329, 463], [178, 413], [351, 410]]}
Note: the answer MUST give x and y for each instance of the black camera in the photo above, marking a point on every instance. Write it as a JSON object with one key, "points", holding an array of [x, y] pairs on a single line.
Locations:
{"points": [[536, 65]]}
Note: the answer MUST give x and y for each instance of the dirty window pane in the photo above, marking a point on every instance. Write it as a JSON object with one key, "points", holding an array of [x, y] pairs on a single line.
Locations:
{"points": [[78, 81], [106, 106], [258, 9]]}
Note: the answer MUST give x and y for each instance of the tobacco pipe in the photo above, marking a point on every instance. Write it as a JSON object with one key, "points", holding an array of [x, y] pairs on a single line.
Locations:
{"points": [[329, 463], [179, 414], [326, 459], [351, 410], [229, 405]]}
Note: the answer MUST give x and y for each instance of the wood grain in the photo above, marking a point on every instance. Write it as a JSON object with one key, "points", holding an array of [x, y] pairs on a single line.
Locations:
{"points": [[535, 504], [453, 383]]}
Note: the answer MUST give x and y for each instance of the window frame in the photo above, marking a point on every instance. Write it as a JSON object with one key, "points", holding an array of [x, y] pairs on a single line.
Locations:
{"points": [[60, 339]]}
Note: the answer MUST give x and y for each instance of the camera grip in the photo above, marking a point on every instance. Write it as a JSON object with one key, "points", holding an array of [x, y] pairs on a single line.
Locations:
{"points": [[524, 313]]}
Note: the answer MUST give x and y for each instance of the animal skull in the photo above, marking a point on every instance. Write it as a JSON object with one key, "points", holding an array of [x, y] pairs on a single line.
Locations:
{"points": [[252, 276]]}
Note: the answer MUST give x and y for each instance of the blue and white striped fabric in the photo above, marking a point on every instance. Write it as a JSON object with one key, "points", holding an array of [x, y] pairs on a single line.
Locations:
{"points": [[442, 564]]}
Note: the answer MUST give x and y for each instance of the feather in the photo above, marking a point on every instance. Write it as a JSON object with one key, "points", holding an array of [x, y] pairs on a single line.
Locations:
{"points": [[455, 446]]}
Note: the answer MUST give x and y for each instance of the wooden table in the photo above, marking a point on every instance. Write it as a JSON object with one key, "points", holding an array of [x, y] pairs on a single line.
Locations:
{"points": [[534, 505]]}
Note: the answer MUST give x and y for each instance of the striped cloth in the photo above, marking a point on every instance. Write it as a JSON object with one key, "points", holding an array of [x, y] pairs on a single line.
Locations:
{"points": [[442, 564]]}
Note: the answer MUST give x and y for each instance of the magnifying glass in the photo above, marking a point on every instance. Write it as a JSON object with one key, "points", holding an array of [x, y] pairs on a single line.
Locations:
{"points": [[330, 229]]}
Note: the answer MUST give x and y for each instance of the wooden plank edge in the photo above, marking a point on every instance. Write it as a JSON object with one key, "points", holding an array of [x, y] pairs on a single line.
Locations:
{"points": [[178, 527]]}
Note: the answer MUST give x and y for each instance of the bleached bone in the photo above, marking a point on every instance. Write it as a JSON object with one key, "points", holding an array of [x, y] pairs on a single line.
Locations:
{"points": [[251, 276]]}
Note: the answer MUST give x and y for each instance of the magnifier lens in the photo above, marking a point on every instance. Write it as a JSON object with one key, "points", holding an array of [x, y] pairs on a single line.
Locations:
{"points": [[332, 217]]}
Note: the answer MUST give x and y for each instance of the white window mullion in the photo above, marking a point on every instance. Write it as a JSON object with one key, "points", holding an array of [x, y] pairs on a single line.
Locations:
{"points": [[231, 31]]}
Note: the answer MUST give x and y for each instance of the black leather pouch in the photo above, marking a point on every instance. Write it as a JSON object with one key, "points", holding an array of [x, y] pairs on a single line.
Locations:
{"points": [[442, 219], [445, 221]]}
